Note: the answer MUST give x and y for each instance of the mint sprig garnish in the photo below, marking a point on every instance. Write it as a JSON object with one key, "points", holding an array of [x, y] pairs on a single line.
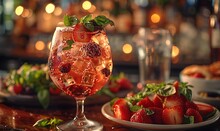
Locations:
{"points": [[70, 20], [88, 22], [47, 122], [184, 90], [162, 89]]}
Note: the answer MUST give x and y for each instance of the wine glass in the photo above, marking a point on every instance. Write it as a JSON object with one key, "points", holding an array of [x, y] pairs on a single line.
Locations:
{"points": [[80, 64]]}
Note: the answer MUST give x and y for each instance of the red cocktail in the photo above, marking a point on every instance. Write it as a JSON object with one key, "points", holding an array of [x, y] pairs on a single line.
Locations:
{"points": [[80, 64]]}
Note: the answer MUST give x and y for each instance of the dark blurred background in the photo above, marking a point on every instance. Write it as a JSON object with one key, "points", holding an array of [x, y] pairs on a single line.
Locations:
{"points": [[26, 28]]}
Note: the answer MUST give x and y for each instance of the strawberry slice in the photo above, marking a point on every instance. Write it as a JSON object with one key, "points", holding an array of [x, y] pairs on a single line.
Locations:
{"points": [[173, 115], [121, 109], [125, 83], [205, 110], [197, 75], [156, 117], [81, 34], [157, 101], [176, 85], [54, 91], [141, 116], [190, 104], [173, 100], [146, 102], [192, 112], [17, 88]]}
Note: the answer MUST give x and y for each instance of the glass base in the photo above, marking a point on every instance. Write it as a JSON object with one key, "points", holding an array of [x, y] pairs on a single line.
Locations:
{"points": [[86, 125]]}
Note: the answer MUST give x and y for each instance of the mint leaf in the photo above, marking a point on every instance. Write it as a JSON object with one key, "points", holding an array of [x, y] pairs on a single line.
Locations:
{"points": [[184, 90], [70, 20], [105, 90], [188, 119], [134, 108], [43, 96], [90, 26], [86, 19], [167, 90], [69, 43], [148, 111], [47, 122], [103, 21]]}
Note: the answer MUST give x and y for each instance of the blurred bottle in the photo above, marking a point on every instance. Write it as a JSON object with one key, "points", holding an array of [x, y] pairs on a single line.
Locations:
{"points": [[215, 32]]}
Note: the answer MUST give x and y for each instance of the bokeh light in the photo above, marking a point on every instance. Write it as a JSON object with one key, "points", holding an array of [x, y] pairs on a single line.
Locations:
{"points": [[40, 45], [175, 51], [155, 18], [92, 9], [19, 10], [58, 11], [86, 5], [50, 8], [127, 48]]}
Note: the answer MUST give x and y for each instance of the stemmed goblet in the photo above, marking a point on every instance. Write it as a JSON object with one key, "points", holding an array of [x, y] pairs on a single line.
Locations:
{"points": [[80, 64]]}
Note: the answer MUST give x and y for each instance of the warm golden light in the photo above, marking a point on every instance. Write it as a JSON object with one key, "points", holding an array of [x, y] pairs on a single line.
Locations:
{"points": [[155, 18], [58, 11], [92, 9], [86, 5], [127, 48], [212, 20], [40, 45], [19, 10], [50, 8], [175, 51], [48, 45], [27, 13]]}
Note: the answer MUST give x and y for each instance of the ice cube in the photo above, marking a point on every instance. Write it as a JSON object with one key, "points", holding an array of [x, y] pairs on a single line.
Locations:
{"points": [[68, 80], [100, 39], [88, 79], [106, 52]]}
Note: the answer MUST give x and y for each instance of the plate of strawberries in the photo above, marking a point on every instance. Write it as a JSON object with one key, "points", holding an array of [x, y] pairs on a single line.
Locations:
{"points": [[161, 106]]}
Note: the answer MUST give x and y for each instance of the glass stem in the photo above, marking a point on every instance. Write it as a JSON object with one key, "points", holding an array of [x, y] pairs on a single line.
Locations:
{"points": [[80, 118]]}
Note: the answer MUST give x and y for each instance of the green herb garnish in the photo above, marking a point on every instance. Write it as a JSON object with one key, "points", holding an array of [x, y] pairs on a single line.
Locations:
{"points": [[162, 89], [88, 22], [188, 119], [48, 122], [184, 90], [69, 43], [70, 20]]}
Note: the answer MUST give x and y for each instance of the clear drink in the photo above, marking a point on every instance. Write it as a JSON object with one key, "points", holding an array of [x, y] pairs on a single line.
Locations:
{"points": [[154, 54]]}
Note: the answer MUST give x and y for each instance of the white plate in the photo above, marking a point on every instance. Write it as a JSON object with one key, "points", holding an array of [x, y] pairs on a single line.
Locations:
{"points": [[107, 112]]}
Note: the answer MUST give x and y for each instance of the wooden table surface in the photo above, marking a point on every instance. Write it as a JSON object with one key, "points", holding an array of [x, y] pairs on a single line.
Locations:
{"points": [[18, 118]]}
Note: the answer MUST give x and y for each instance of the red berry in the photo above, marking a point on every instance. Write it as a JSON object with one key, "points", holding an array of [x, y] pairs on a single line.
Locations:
{"points": [[65, 68], [146, 102], [125, 83], [156, 117], [198, 75], [54, 91], [92, 49], [173, 115], [81, 34], [121, 109], [190, 104], [195, 114], [18, 88], [174, 100], [157, 101], [141, 116], [205, 110], [106, 72]]}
